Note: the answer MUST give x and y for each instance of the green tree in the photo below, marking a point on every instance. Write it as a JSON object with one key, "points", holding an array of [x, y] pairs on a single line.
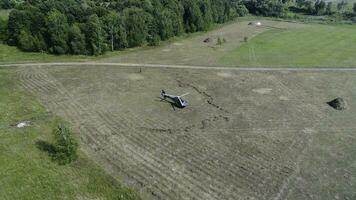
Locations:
{"points": [[28, 42], [329, 8], [207, 16], [168, 23], [273, 8], [18, 21], [115, 28], [3, 30], [341, 6], [193, 18], [354, 8], [319, 7], [65, 145], [7, 4], [137, 25], [57, 28], [94, 35], [76, 40]]}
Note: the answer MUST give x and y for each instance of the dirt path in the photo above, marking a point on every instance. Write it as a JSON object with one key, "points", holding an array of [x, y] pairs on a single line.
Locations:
{"points": [[261, 69]]}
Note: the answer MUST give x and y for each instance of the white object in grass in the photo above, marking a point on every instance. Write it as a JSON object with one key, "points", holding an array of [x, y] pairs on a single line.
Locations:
{"points": [[23, 124]]}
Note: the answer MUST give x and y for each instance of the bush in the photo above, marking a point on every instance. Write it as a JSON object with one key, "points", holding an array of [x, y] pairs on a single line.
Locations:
{"points": [[221, 41], [65, 145]]}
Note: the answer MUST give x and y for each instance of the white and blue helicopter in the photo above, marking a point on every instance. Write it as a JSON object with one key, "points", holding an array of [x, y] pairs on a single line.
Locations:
{"points": [[177, 101]]}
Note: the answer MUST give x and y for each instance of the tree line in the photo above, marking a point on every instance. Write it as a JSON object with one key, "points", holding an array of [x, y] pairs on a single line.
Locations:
{"points": [[92, 27], [322, 7]]}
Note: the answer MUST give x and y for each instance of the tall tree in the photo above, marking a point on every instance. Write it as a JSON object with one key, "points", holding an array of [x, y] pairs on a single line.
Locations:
{"points": [[319, 7], [3, 30], [136, 24], [57, 28], [341, 6], [28, 42], [329, 8], [94, 35], [76, 40], [193, 19], [115, 28]]}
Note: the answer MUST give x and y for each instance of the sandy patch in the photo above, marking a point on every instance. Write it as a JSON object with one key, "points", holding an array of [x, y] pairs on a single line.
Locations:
{"points": [[135, 77], [262, 90], [224, 74], [283, 98], [177, 44], [166, 50]]}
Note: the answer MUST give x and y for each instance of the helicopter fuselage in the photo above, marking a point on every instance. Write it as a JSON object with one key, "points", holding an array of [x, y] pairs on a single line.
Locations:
{"points": [[176, 100]]}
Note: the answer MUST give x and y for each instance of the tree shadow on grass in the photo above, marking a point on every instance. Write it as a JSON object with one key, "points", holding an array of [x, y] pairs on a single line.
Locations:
{"points": [[46, 147]]}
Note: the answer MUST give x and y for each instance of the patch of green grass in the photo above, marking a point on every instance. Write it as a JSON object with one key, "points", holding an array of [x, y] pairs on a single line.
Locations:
{"points": [[27, 172], [312, 46], [10, 54]]}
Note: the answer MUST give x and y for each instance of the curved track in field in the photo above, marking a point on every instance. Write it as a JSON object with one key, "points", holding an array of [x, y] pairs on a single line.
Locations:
{"points": [[175, 159]]}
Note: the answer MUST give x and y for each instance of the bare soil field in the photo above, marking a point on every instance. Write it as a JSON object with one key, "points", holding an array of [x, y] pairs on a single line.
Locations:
{"points": [[245, 135]]}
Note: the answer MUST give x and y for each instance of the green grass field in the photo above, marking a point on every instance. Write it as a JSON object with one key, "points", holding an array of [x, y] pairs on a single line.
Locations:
{"points": [[28, 173], [14, 55], [312, 46]]}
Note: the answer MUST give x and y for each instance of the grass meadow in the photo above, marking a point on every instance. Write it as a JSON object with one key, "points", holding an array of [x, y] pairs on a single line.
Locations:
{"points": [[27, 172], [311, 46], [10, 54]]}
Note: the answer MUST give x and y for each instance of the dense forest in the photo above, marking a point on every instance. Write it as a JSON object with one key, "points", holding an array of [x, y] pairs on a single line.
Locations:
{"points": [[92, 27]]}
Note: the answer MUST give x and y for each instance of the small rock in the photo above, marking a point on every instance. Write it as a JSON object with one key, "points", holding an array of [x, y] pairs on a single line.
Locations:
{"points": [[23, 124]]}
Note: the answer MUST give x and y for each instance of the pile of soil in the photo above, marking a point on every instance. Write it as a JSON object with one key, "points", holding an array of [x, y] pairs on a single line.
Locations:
{"points": [[207, 40], [337, 104]]}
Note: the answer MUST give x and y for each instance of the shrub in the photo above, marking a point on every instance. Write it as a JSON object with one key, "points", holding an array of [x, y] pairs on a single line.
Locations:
{"points": [[245, 39], [65, 145], [221, 41]]}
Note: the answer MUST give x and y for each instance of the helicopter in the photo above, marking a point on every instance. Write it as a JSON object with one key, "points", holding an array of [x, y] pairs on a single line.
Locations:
{"points": [[174, 100]]}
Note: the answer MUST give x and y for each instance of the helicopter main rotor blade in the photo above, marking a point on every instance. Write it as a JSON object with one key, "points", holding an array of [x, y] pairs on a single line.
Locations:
{"points": [[183, 95]]}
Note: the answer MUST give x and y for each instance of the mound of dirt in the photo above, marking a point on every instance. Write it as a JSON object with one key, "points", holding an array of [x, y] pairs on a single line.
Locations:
{"points": [[337, 104], [207, 40]]}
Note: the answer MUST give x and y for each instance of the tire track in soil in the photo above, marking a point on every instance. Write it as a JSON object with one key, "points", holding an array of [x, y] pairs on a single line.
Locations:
{"points": [[182, 160], [210, 101], [314, 116], [106, 133], [39, 89]]}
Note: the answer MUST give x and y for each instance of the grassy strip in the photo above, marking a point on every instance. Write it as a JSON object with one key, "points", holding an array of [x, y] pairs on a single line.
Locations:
{"points": [[26, 172], [13, 55], [313, 46]]}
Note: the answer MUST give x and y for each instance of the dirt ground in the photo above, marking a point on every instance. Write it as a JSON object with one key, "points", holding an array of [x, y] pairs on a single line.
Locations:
{"points": [[245, 135]]}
